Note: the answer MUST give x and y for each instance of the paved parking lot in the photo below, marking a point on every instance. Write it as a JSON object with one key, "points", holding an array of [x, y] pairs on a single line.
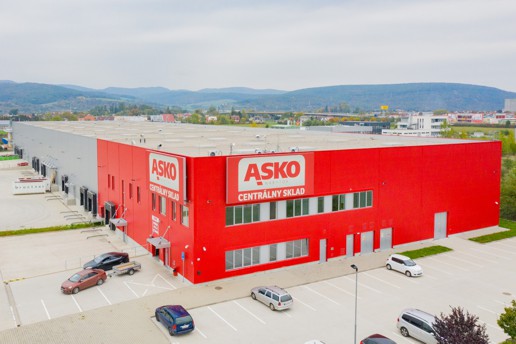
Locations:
{"points": [[474, 278]]}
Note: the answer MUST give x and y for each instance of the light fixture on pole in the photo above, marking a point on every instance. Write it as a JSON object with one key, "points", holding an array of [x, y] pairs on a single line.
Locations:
{"points": [[353, 266]]}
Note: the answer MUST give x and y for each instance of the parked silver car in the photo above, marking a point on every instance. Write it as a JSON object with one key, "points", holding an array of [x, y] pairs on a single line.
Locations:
{"points": [[417, 324], [274, 297], [404, 265]]}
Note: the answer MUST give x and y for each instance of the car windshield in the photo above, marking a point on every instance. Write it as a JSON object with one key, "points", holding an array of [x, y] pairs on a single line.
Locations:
{"points": [[99, 258], [75, 278], [184, 320], [286, 297], [409, 262]]}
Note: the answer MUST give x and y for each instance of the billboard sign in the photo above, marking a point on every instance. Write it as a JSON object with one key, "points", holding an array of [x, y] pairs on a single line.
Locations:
{"points": [[269, 177], [167, 176]]}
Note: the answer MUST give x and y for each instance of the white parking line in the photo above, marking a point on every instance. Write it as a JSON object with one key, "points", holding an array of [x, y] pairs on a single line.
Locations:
{"points": [[163, 278], [321, 295], [363, 285], [77, 304], [149, 285], [200, 332], [46, 310], [502, 302], [304, 304], [483, 251], [501, 249], [221, 318], [488, 310], [472, 255], [341, 289], [443, 263], [145, 292], [440, 270], [397, 334], [465, 261], [381, 280], [101, 293], [505, 245], [248, 311], [127, 285], [489, 325], [14, 317]]}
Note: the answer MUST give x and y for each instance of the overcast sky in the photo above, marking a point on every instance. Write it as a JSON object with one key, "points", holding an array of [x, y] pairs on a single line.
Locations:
{"points": [[280, 44]]}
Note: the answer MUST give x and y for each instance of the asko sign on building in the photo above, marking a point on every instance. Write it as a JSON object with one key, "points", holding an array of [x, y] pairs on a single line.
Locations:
{"points": [[167, 176], [270, 177]]}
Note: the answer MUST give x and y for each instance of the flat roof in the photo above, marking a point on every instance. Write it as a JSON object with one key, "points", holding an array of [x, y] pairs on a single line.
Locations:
{"points": [[200, 140]]}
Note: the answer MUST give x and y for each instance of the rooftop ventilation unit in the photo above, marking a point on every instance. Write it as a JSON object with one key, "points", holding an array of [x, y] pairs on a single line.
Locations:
{"points": [[293, 149], [214, 152], [258, 151]]}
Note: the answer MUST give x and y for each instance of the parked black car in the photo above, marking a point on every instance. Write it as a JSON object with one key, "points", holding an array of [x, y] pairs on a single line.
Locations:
{"points": [[106, 261]]}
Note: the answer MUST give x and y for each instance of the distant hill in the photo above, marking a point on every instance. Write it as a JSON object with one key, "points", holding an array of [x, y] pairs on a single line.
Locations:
{"points": [[410, 97], [37, 98], [241, 90], [33, 97]]}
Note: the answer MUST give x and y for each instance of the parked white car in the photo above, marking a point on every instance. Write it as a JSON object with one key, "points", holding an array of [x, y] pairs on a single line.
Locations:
{"points": [[404, 265]]}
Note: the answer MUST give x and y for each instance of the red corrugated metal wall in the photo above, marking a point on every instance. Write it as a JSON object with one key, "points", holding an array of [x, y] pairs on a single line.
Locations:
{"points": [[409, 184]]}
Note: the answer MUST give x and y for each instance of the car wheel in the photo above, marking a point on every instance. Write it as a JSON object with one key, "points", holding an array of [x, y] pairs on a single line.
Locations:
{"points": [[75, 290], [404, 332], [388, 266], [253, 296], [170, 331], [100, 281], [271, 306], [131, 272], [157, 318], [408, 274]]}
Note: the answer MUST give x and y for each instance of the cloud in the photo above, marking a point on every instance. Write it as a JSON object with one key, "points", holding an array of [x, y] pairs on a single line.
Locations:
{"points": [[264, 44]]}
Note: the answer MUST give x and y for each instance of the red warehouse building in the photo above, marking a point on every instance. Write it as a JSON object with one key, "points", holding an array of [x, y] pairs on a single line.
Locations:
{"points": [[213, 202]]}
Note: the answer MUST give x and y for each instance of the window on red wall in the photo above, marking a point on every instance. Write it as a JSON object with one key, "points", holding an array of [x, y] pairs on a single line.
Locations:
{"points": [[153, 201], [109, 181], [138, 197], [173, 212], [112, 182], [130, 190], [162, 205]]}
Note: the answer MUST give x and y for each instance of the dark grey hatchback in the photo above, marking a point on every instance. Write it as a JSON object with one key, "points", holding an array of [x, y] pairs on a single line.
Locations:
{"points": [[377, 339], [106, 261]]}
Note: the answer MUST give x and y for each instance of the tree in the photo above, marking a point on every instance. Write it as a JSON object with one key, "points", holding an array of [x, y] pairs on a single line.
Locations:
{"points": [[459, 328], [508, 196], [507, 321]]}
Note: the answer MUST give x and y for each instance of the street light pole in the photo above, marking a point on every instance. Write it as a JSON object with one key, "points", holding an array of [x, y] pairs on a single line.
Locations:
{"points": [[353, 266]]}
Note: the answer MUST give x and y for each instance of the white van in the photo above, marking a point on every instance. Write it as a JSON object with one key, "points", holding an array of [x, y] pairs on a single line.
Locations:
{"points": [[417, 324]]}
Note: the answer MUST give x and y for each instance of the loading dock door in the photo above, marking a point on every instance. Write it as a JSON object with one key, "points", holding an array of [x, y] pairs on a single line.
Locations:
{"points": [[366, 242], [385, 239], [322, 251], [349, 245], [440, 224]]}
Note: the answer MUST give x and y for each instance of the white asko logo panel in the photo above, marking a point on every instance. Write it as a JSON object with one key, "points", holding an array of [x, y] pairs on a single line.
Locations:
{"points": [[164, 171], [271, 172]]}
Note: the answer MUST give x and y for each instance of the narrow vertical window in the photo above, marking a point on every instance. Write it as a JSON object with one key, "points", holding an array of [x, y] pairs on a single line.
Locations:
{"points": [[138, 196], [273, 213], [153, 201], [173, 210], [184, 216], [320, 205]]}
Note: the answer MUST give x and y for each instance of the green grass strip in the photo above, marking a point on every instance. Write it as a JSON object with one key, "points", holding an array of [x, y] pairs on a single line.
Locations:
{"points": [[427, 251], [8, 157], [510, 225], [49, 229]]}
